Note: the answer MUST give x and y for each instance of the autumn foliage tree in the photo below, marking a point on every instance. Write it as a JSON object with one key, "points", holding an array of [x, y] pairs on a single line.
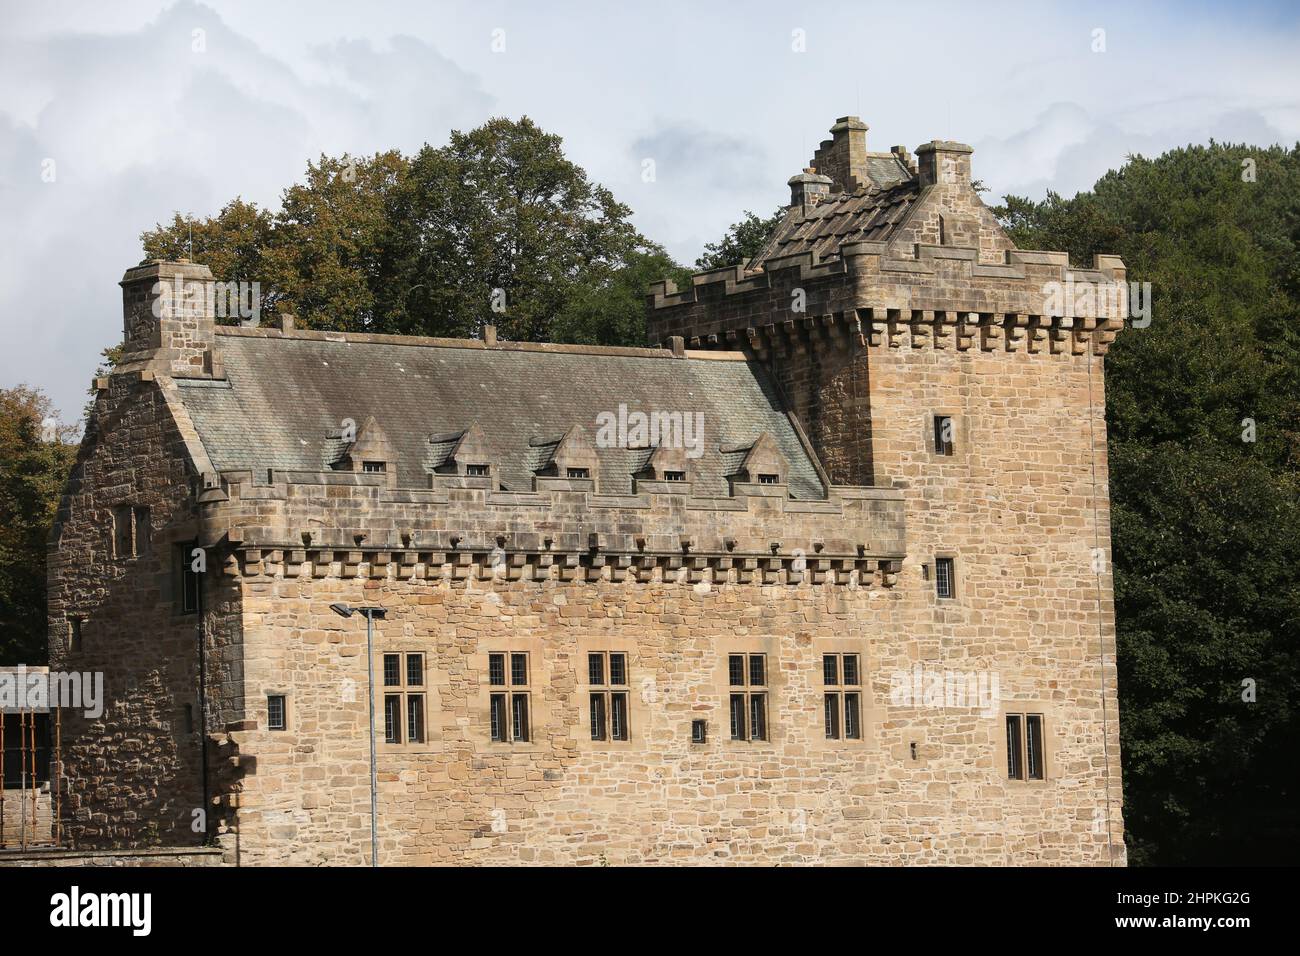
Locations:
{"points": [[36, 454], [497, 225]]}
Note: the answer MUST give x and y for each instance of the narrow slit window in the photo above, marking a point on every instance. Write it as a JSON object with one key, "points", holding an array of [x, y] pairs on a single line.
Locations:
{"points": [[392, 718], [757, 716], [1015, 746], [498, 717], [1034, 746], [122, 531], [189, 579], [699, 731], [832, 715], [853, 716], [276, 713], [944, 578], [519, 717], [142, 531], [415, 718], [943, 435], [618, 716], [738, 717]]}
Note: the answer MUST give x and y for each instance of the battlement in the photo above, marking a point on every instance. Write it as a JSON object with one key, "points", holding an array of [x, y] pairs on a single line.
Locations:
{"points": [[854, 537], [940, 296]]}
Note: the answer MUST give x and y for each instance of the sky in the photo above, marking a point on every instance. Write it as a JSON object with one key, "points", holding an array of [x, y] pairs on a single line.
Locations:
{"points": [[114, 116]]}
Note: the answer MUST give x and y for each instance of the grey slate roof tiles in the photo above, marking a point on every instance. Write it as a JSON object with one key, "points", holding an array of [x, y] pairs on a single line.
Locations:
{"points": [[868, 214], [284, 396]]}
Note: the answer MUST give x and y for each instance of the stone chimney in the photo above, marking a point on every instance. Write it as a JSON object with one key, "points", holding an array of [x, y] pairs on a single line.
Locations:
{"points": [[843, 157], [168, 319], [943, 163], [809, 188]]}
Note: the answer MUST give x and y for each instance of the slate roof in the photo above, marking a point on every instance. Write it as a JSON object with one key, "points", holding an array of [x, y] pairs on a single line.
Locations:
{"points": [[871, 213], [886, 169], [285, 395]]}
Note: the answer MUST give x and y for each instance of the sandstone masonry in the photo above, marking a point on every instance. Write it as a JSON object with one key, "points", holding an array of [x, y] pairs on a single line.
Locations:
{"points": [[829, 530]]}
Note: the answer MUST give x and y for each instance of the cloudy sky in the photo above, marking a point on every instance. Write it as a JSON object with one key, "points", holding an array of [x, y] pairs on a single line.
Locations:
{"points": [[115, 115]]}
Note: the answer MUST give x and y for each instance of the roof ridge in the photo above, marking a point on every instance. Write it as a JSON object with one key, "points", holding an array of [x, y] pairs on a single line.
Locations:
{"points": [[422, 341]]}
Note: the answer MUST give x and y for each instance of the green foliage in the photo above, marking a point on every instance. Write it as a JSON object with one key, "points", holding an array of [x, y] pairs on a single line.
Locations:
{"points": [[34, 463], [741, 242], [419, 245], [1206, 525]]}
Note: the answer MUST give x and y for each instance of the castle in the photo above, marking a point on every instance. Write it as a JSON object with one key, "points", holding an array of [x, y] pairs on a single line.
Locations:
{"points": [[821, 576]]}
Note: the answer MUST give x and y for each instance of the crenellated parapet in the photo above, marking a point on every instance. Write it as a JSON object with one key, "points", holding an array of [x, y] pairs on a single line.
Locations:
{"points": [[875, 295], [940, 297], [348, 525]]}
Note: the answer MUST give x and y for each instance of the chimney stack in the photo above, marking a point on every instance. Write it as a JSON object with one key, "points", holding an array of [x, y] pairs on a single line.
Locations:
{"points": [[809, 188], [843, 157], [168, 319], [942, 163]]}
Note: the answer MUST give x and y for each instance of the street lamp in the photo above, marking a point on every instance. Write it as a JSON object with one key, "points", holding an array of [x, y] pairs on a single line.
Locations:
{"points": [[343, 610]]}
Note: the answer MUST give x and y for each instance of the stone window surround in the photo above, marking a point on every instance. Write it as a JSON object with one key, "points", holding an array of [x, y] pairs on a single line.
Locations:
{"points": [[960, 440], [266, 708], [540, 672], [262, 708], [638, 708], [1050, 726], [932, 575], [770, 647], [869, 715], [433, 728]]}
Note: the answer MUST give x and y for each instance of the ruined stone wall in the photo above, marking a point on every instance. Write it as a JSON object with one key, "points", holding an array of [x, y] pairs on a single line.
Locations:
{"points": [[658, 798]]}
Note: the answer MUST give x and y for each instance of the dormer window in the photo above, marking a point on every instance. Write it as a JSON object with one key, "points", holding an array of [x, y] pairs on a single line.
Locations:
{"points": [[579, 472], [374, 467], [476, 471], [674, 476], [769, 479]]}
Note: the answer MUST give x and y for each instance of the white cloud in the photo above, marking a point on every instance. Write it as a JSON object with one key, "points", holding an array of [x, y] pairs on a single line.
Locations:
{"points": [[140, 125]]}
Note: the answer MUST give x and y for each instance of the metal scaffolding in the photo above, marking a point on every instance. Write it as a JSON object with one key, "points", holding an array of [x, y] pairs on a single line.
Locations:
{"points": [[31, 749]]}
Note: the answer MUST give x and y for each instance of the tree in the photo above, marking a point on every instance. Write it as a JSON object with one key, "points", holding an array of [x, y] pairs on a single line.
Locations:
{"points": [[1203, 415], [741, 242], [497, 225], [36, 455]]}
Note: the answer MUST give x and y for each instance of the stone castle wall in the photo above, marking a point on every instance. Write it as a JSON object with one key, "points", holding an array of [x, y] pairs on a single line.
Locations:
{"points": [[131, 777], [657, 798]]}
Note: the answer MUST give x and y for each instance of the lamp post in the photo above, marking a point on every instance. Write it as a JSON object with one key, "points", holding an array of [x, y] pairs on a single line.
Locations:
{"points": [[343, 610]]}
